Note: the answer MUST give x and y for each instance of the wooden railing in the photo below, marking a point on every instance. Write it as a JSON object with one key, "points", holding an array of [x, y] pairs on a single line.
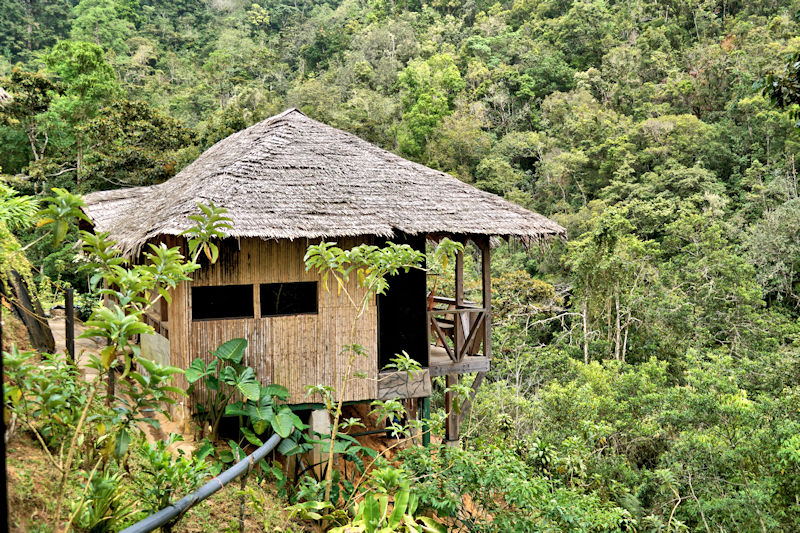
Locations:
{"points": [[459, 329]]}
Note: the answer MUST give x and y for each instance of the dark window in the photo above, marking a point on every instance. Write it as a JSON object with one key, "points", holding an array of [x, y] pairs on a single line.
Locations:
{"points": [[288, 298], [222, 301]]}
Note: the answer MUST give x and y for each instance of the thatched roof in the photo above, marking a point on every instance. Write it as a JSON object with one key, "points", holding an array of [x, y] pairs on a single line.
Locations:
{"points": [[293, 177]]}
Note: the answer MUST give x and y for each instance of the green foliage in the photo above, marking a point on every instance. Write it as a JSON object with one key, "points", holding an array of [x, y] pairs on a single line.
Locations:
{"points": [[169, 476], [46, 396], [222, 377], [32, 93], [133, 144], [108, 505], [210, 225], [103, 22], [374, 513], [226, 377], [62, 209], [501, 484], [783, 87], [648, 130]]}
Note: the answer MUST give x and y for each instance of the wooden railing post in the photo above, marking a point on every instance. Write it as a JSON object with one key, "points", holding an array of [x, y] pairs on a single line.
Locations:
{"points": [[69, 323], [458, 324], [486, 282]]}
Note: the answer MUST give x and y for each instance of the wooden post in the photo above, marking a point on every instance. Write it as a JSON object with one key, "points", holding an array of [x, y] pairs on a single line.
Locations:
{"points": [[486, 279], [3, 478], [452, 423], [69, 323], [460, 278], [458, 325], [426, 414]]}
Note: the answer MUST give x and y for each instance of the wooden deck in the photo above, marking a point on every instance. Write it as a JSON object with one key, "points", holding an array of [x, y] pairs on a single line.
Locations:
{"points": [[440, 363]]}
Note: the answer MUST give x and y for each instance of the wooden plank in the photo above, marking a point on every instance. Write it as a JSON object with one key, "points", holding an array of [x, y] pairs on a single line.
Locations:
{"points": [[393, 385], [468, 365]]}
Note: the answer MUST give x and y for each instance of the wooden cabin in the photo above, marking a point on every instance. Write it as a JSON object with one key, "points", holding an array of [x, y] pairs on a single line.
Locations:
{"points": [[289, 182]]}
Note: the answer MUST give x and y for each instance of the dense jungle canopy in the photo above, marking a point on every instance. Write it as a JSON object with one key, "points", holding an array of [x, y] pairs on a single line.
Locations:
{"points": [[647, 371]]}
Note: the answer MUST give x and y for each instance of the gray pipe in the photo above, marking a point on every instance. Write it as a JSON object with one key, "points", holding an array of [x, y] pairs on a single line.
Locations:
{"points": [[166, 514]]}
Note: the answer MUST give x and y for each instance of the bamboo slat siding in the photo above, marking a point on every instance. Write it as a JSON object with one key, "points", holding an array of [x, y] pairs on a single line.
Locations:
{"points": [[294, 350]]}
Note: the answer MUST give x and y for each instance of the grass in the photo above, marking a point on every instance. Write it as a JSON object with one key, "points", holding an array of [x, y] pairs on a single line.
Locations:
{"points": [[32, 482]]}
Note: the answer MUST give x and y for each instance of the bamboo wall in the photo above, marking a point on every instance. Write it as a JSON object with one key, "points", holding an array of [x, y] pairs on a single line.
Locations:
{"points": [[293, 351]]}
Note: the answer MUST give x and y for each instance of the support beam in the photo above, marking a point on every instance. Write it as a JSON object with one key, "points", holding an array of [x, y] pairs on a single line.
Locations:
{"points": [[459, 278], [468, 402]]}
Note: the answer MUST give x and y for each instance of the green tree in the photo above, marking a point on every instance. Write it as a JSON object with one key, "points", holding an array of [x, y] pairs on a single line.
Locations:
{"points": [[614, 279], [27, 26], [32, 94], [130, 143], [88, 81], [106, 23], [428, 89]]}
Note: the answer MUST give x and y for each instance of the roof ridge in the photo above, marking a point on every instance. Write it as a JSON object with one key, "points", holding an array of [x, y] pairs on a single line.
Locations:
{"points": [[290, 176]]}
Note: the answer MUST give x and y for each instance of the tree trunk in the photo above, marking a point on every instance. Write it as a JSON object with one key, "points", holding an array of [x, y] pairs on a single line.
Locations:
{"points": [[27, 307], [79, 162], [585, 332], [618, 338]]}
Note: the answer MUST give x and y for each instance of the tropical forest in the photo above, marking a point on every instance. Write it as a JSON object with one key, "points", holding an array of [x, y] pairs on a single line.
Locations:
{"points": [[645, 363]]}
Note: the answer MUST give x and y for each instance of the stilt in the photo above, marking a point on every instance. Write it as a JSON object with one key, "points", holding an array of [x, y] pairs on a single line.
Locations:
{"points": [[426, 415], [319, 422]]}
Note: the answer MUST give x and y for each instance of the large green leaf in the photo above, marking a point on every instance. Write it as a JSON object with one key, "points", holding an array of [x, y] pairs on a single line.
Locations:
{"points": [[233, 350], [123, 441], [259, 426], [285, 422], [400, 504], [260, 412], [249, 390], [279, 391], [372, 514], [245, 383], [196, 371], [431, 526], [236, 409], [251, 437]]}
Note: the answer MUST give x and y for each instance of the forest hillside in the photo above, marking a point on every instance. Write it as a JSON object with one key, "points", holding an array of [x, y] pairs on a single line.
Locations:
{"points": [[646, 372]]}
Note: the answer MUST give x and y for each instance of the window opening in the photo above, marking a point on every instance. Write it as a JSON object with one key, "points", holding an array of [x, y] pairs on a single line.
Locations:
{"points": [[288, 298], [222, 302]]}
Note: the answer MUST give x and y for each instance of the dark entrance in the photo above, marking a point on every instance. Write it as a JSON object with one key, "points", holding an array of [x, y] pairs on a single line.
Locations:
{"points": [[402, 317]]}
